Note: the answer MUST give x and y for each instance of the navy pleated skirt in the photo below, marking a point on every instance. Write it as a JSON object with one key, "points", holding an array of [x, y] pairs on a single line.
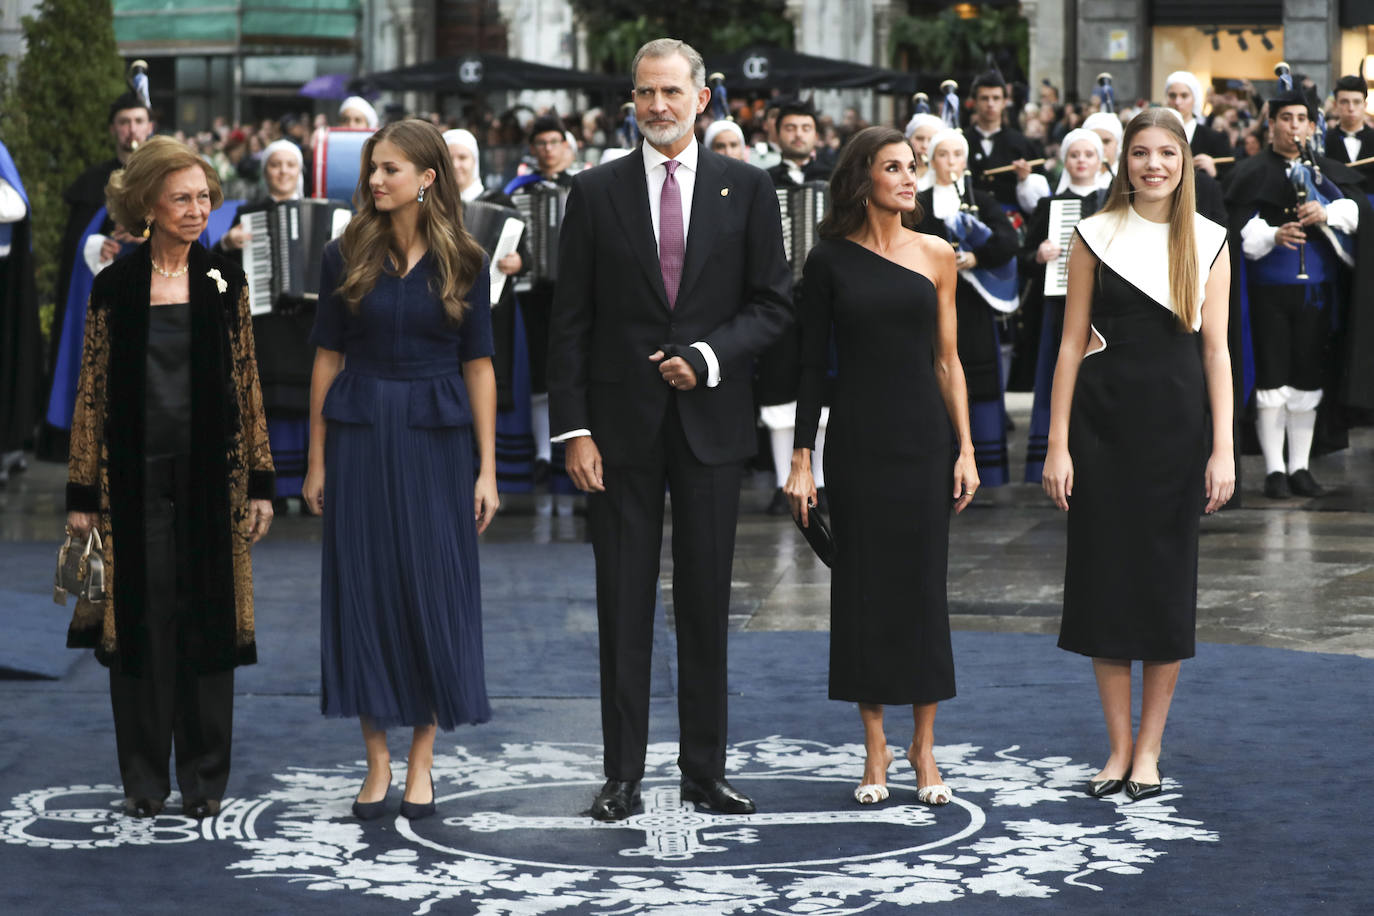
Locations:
{"points": [[401, 623]]}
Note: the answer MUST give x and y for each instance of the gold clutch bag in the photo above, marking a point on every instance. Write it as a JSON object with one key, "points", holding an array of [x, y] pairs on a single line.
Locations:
{"points": [[80, 569]]}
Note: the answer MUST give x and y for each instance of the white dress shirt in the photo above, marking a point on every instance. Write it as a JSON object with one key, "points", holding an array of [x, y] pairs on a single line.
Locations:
{"points": [[1352, 146]]}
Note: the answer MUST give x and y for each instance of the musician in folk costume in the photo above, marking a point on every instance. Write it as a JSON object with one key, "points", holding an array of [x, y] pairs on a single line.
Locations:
{"points": [[130, 124], [281, 335], [994, 145], [510, 355], [798, 135], [357, 113], [779, 367], [726, 138], [1183, 93], [1351, 139], [21, 346], [1306, 293], [1107, 125], [985, 251], [919, 131], [673, 280], [555, 164], [1083, 156]]}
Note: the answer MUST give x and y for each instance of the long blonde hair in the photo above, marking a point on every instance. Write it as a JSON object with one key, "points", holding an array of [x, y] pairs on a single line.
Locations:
{"points": [[368, 242], [1183, 266]]}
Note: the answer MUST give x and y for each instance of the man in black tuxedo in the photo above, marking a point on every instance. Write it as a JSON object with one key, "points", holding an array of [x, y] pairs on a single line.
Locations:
{"points": [[1352, 139], [672, 278]]}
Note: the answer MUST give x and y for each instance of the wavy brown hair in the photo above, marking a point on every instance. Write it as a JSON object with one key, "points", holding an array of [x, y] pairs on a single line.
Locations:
{"points": [[1183, 266], [851, 183], [133, 190], [369, 248]]}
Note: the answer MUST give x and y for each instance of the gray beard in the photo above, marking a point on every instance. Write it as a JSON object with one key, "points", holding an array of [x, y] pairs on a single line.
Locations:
{"points": [[665, 136]]}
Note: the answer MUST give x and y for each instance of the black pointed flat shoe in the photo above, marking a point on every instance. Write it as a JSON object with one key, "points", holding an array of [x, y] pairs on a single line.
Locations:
{"points": [[413, 811], [1138, 790], [1101, 788]]}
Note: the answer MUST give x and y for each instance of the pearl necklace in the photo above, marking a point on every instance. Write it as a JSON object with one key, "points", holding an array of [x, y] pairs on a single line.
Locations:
{"points": [[172, 275]]}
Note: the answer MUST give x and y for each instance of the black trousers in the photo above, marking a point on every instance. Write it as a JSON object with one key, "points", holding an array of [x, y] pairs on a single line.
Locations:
{"points": [[626, 523], [1291, 331], [171, 702]]}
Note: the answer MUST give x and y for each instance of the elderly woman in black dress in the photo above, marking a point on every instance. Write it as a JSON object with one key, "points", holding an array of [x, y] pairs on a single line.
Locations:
{"points": [[169, 459], [1132, 457], [901, 456]]}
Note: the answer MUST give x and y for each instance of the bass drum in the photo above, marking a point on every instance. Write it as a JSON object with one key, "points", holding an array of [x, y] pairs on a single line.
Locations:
{"points": [[337, 159]]}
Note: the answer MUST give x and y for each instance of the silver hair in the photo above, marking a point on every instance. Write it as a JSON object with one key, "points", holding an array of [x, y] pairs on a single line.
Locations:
{"points": [[666, 47]]}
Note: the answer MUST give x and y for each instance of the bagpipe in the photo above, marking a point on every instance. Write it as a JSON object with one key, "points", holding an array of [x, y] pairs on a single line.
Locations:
{"points": [[967, 231]]}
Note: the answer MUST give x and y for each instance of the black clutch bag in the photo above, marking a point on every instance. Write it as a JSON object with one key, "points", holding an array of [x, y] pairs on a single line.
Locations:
{"points": [[817, 533]]}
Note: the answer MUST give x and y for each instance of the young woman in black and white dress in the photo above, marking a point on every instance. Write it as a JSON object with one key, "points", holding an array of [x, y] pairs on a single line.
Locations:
{"points": [[1132, 455]]}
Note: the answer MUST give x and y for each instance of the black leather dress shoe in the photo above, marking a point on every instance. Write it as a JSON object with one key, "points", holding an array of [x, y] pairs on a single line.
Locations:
{"points": [[616, 800], [717, 794], [1302, 484], [1276, 485], [142, 807], [201, 808]]}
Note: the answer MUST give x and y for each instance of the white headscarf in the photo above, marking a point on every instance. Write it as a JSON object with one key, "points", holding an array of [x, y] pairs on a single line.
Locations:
{"points": [[1189, 80], [715, 128], [465, 138], [291, 149], [360, 104], [1078, 135], [922, 119], [1104, 120]]}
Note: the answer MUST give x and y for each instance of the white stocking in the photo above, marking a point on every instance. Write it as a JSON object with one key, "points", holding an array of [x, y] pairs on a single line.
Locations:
{"points": [[539, 421], [1269, 420]]}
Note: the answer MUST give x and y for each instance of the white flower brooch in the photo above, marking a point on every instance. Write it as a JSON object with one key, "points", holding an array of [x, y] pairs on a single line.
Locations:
{"points": [[213, 274]]}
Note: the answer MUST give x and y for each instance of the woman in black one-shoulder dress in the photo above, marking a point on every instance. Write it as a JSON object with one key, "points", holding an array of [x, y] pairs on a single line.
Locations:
{"points": [[902, 453], [1132, 456]]}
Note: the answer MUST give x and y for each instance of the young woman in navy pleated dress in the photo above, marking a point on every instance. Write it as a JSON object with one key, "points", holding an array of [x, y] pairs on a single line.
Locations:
{"points": [[402, 383], [1134, 456]]}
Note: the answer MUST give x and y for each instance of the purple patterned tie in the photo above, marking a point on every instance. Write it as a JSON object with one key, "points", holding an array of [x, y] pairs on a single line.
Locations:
{"points": [[670, 241]]}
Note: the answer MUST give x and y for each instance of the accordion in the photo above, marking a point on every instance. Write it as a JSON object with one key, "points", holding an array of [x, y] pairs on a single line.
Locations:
{"points": [[282, 259], [541, 206], [803, 206], [497, 229]]}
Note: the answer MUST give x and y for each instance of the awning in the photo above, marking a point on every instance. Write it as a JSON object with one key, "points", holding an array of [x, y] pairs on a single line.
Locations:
{"points": [[475, 73], [777, 68], [236, 23]]}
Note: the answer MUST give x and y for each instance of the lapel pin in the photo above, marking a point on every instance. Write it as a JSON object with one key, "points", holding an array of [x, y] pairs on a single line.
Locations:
{"points": [[724, 192]]}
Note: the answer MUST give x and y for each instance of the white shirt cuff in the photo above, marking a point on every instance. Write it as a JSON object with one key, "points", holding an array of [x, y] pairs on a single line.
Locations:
{"points": [[12, 207], [91, 253], [1030, 191], [571, 434], [712, 364], [1343, 216], [1258, 238]]}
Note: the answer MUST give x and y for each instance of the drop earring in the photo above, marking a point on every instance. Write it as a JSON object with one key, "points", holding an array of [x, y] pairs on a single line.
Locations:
{"points": [[421, 196], [147, 228]]}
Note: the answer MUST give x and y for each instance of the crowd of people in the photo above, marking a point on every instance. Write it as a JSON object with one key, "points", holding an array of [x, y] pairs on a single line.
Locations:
{"points": [[677, 337]]}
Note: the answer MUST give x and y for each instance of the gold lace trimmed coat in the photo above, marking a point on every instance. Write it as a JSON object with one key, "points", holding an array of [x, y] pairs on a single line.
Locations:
{"points": [[230, 462]]}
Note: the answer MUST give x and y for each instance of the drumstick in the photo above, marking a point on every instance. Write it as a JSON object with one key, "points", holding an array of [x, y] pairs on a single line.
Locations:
{"points": [[1222, 160], [1003, 169], [1366, 161]]}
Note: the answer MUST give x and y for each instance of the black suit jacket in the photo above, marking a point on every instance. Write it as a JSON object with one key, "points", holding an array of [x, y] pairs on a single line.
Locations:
{"points": [[1209, 142], [1335, 149], [611, 310], [1008, 145]]}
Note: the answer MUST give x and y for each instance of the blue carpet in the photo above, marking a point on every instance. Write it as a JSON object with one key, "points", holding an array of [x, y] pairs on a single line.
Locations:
{"points": [[33, 629], [1265, 809]]}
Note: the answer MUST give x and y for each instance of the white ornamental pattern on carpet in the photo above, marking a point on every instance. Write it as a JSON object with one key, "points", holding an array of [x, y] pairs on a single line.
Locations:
{"points": [[672, 858]]}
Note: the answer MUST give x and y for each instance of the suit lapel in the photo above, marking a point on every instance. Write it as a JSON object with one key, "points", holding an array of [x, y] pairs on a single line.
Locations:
{"points": [[708, 206], [630, 200]]}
